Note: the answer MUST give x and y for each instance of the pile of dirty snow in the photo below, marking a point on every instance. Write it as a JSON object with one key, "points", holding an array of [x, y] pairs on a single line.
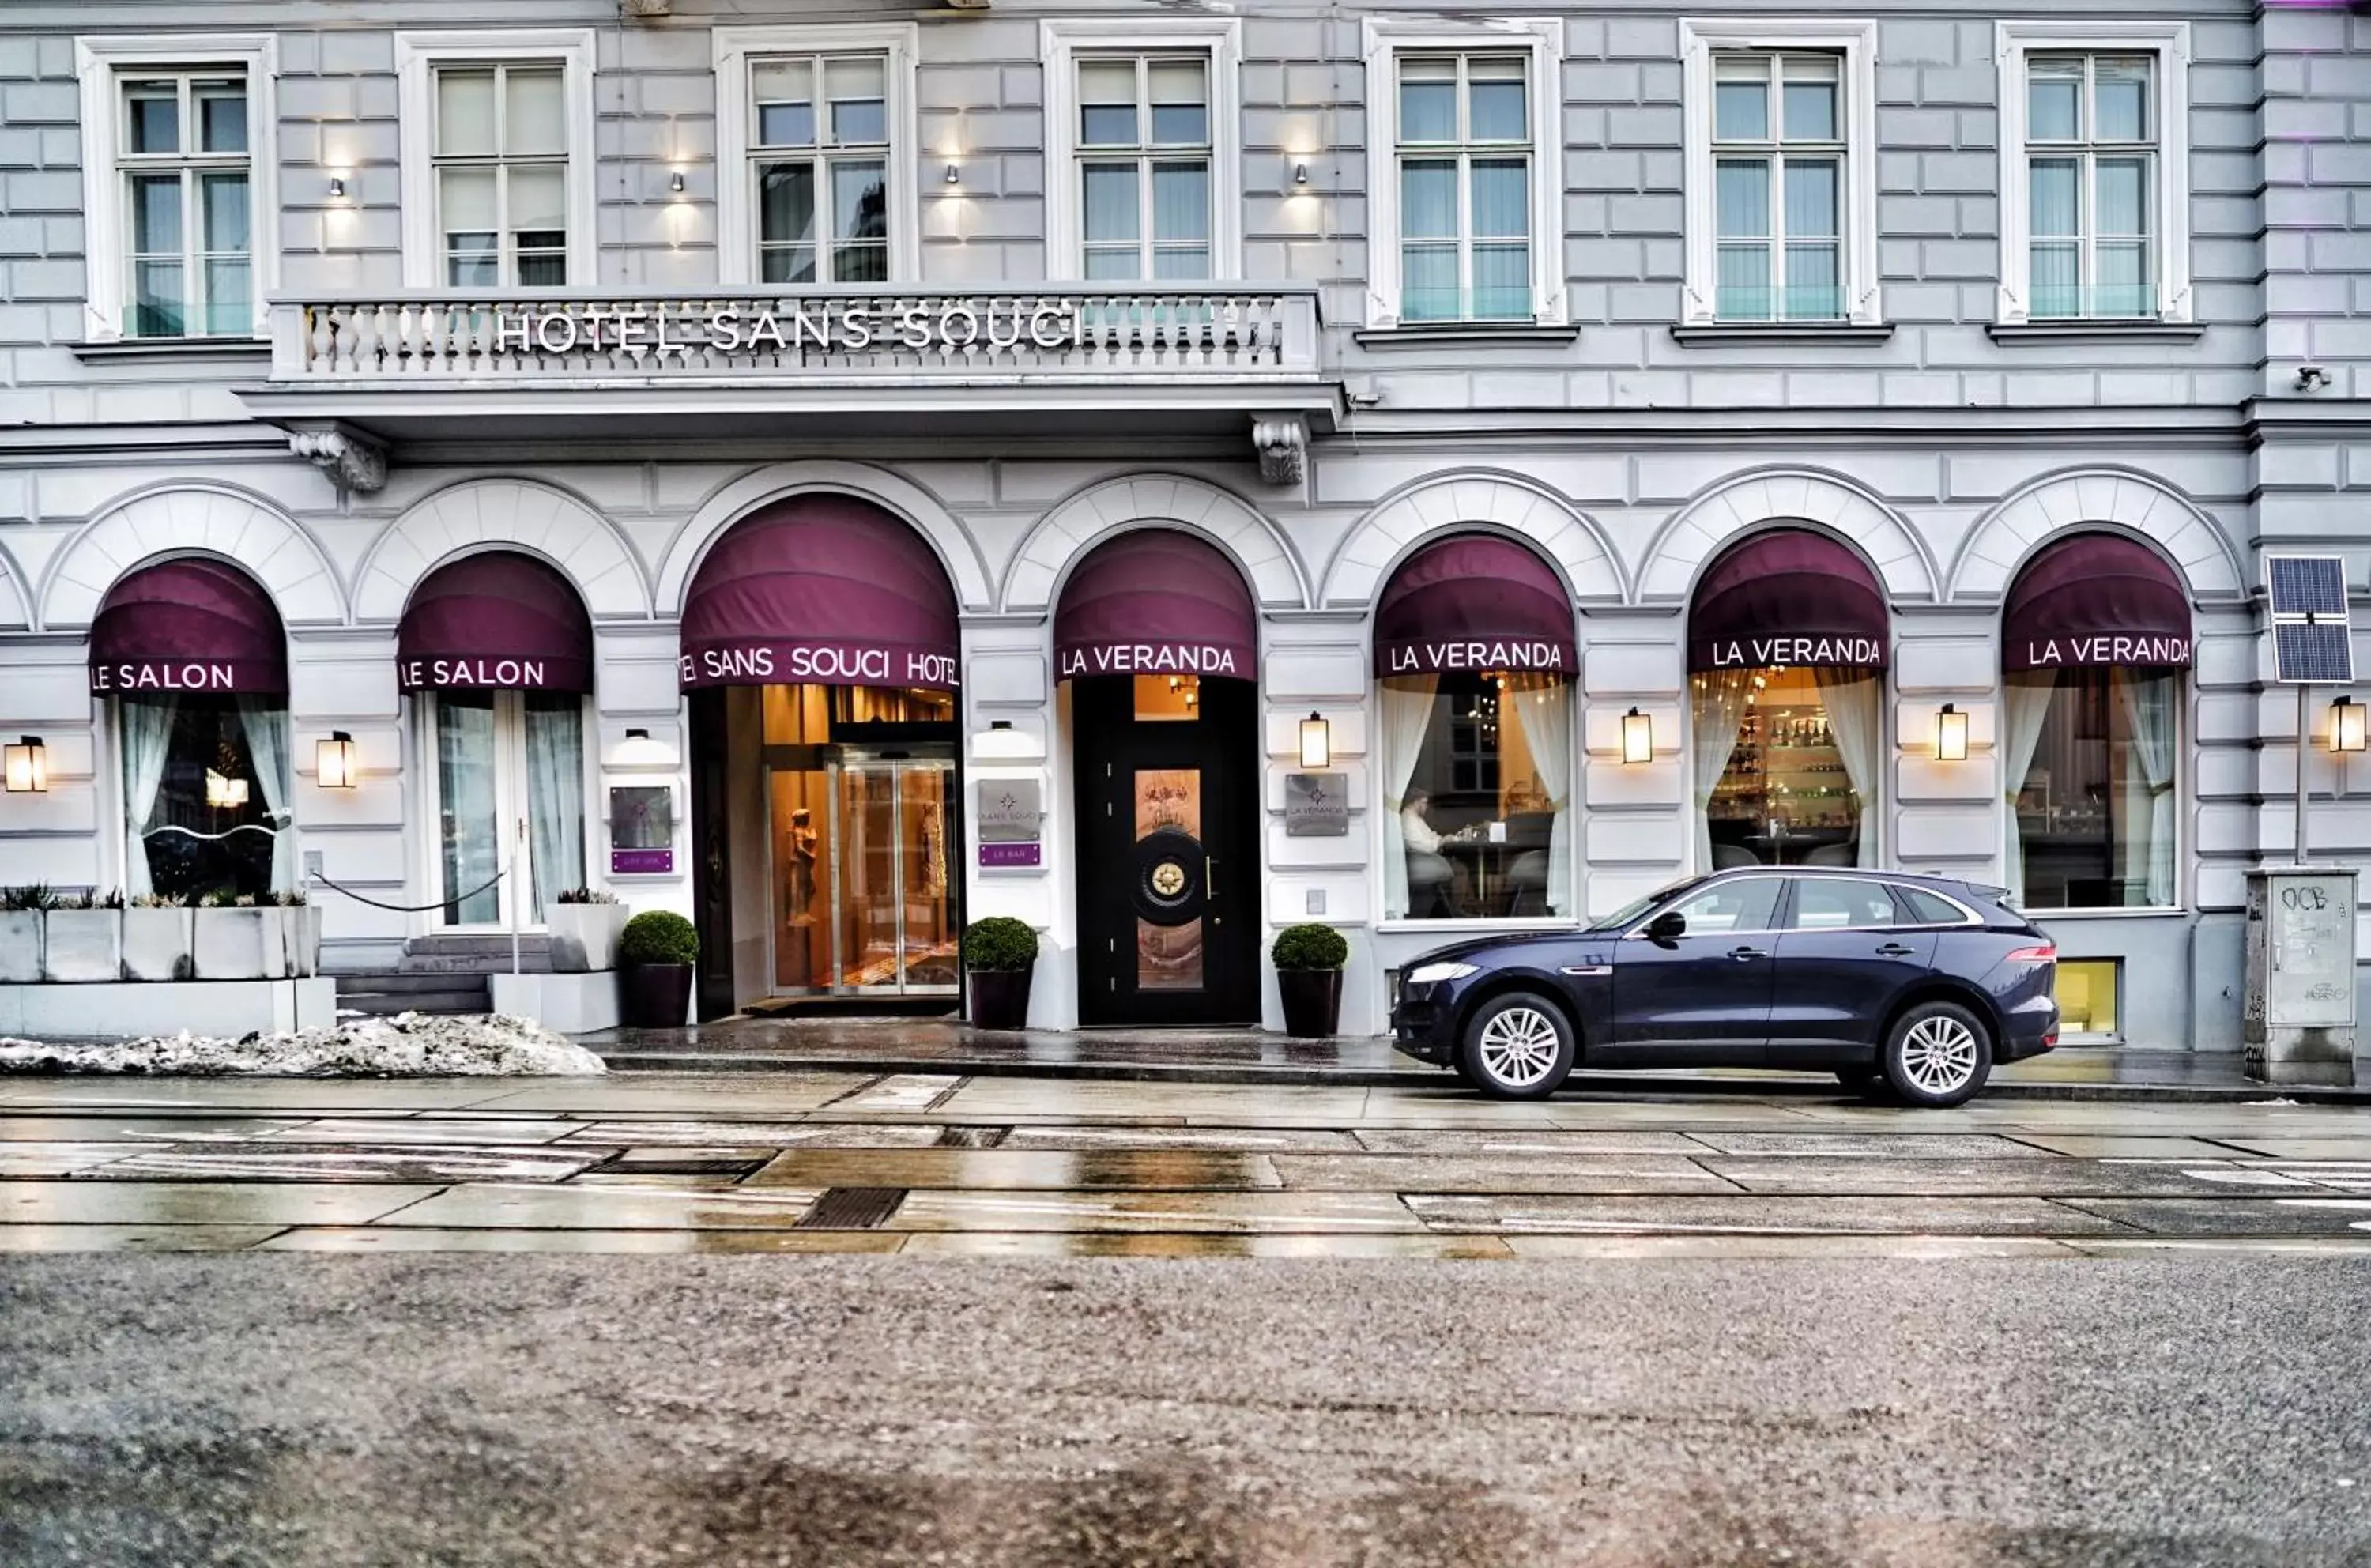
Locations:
{"points": [[408, 1045]]}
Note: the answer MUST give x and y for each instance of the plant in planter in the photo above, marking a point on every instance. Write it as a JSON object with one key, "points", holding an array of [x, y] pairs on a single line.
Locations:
{"points": [[21, 929], [1309, 960], [655, 955], [85, 940], [585, 924], [157, 938], [300, 931], [232, 938], [1002, 955]]}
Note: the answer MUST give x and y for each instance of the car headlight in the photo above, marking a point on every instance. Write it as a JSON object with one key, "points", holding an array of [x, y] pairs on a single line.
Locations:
{"points": [[1434, 974]]}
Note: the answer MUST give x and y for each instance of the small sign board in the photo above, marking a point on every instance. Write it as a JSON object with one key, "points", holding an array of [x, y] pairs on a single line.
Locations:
{"points": [[641, 829], [1317, 805], [1008, 812], [1008, 856], [640, 862]]}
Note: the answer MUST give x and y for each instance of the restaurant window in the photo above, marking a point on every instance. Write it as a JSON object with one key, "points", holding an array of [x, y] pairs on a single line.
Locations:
{"points": [[1480, 765], [205, 793], [2092, 758], [1788, 754]]}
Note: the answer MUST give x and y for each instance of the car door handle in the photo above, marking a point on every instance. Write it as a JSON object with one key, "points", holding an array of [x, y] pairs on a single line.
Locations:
{"points": [[1893, 950], [1743, 954]]}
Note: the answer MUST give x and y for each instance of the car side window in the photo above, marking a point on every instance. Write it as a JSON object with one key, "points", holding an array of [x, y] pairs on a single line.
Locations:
{"points": [[1839, 904], [1920, 907], [1749, 903]]}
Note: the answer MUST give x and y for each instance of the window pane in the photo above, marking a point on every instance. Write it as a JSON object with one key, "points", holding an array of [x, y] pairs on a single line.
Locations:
{"points": [[221, 116], [2086, 997], [1480, 824], [1429, 292], [1107, 103], [1428, 199], [1814, 287], [538, 201], [155, 215], [1835, 903], [1501, 198], [858, 92], [542, 270], [1811, 98], [788, 264], [1114, 266], [223, 197], [2056, 278], [2124, 285], [1782, 757], [229, 311], [1428, 100], [867, 262], [1812, 197], [1744, 284], [1927, 908], [469, 211], [1741, 100], [464, 113], [785, 93], [1181, 114], [155, 111], [1181, 202], [786, 203], [534, 122], [1502, 281], [2057, 196], [1181, 263], [156, 299], [1749, 904], [2122, 87], [1496, 102], [2053, 100], [1110, 202], [2122, 196], [1742, 188], [859, 206], [473, 267]]}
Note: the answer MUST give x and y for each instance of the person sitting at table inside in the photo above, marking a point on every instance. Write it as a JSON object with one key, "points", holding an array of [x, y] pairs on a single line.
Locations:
{"points": [[1433, 889]]}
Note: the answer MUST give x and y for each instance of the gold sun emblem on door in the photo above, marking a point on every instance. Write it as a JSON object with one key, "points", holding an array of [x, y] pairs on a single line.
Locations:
{"points": [[1168, 879]]}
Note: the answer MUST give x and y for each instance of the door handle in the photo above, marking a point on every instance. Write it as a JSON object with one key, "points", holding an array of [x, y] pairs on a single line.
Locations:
{"points": [[1744, 953], [1893, 950], [1210, 877]]}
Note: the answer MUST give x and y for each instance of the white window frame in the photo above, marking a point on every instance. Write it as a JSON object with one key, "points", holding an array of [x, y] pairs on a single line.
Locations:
{"points": [[417, 55], [736, 198], [99, 63], [1855, 42], [1060, 43], [2168, 44], [1385, 40], [510, 808]]}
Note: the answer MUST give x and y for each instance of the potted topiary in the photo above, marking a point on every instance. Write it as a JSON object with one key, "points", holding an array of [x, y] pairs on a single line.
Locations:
{"points": [[655, 953], [1001, 953], [1309, 960]]}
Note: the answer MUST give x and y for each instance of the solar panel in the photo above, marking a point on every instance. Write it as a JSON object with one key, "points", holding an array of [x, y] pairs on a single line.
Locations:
{"points": [[2311, 641]]}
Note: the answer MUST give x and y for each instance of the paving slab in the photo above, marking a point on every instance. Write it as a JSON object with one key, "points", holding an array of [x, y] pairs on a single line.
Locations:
{"points": [[997, 1100], [770, 1134], [2094, 1146], [1032, 1170], [1821, 1246], [431, 1128], [2045, 1176], [108, 1128], [160, 1096], [1520, 1140], [1123, 1244], [742, 1096], [900, 1092], [656, 1181], [1877, 1145], [646, 1206], [60, 1159], [1241, 1140], [264, 1162], [201, 1203], [2300, 1147], [1771, 1214], [2208, 1217], [1497, 1173], [330, 1239], [133, 1238], [1153, 1211]]}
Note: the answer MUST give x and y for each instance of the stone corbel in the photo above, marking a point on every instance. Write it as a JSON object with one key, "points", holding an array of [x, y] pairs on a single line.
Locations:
{"points": [[1282, 440], [353, 462]]}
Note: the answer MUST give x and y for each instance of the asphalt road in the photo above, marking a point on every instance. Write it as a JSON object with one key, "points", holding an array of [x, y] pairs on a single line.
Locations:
{"points": [[292, 1410]]}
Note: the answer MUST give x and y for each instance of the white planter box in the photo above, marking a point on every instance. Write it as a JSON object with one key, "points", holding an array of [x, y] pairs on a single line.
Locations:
{"points": [[238, 945], [301, 929], [157, 944], [584, 936], [83, 946], [20, 945]]}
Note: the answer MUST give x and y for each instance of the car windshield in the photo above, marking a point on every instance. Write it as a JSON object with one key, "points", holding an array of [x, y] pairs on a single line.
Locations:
{"points": [[1627, 916]]}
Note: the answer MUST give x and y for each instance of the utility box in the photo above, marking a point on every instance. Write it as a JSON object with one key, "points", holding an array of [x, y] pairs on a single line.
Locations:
{"points": [[2298, 1024]]}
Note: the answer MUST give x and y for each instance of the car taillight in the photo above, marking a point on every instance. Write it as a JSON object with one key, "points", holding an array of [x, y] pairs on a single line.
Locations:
{"points": [[2047, 953]]}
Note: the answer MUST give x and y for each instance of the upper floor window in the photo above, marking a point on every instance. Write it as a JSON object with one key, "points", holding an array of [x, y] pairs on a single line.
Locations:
{"points": [[2094, 172], [1781, 178], [497, 142], [1142, 138], [172, 189], [1464, 173]]}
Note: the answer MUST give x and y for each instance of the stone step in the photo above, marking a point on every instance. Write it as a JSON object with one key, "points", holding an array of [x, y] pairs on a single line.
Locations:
{"points": [[475, 955], [383, 994]]}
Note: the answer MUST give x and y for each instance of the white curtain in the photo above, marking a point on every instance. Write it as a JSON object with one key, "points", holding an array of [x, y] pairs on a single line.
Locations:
{"points": [[555, 798], [148, 737], [1407, 719], [1719, 713], [263, 721], [1544, 710], [2025, 711], [2150, 709], [1857, 719]]}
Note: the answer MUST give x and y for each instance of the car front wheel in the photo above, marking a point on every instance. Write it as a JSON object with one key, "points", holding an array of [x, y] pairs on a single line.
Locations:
{"points": [[1938, 1054], [1517, 1047]]}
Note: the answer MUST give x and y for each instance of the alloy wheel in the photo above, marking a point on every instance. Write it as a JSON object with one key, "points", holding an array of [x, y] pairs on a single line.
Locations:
{"points": [[1939, 1055], [1518, 1047]]}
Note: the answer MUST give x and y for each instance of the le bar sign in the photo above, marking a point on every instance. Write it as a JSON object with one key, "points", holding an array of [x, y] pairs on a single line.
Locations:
{"points": [[983, 325], [1008, 815]]}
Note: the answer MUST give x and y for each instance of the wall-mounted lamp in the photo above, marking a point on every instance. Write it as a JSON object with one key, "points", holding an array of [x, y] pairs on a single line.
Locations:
{"points": [[955, 175], [337, 188], [675, 182], [1300, 174], [1950, 734], [2312, 378], [333, 762], [1637, 736], [28, 766], [1316, 741], [638, 750], [2350, 723]]}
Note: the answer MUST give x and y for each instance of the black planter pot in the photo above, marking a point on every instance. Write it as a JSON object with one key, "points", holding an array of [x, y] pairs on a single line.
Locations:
{"points": [[654, 996], [1312, 1001], [999, 999]]}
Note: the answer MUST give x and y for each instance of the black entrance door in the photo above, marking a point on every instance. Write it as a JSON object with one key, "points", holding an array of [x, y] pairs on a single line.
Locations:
{"points": [[1168, 811]]}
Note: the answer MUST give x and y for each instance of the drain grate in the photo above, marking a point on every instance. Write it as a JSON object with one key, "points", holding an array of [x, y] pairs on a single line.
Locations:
{"points": [[851, 1208], [971, 1137]]}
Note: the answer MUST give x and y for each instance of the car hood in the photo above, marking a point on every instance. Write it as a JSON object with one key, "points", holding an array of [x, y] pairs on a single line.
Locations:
{"points": [[1486, 950]]}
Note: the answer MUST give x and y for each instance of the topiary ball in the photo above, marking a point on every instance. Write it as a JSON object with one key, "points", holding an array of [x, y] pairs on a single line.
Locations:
{"points": [[999, 945], [1309, 946], [658, 935]]}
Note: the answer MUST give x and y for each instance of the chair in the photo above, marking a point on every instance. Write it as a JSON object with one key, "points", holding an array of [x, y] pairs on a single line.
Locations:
{"points": [[1731, 857], [1832, 855], [1528, 834], [1430, 882]]}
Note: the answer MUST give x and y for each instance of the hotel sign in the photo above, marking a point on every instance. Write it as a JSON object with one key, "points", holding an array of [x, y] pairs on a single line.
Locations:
{"points": [[980, 325]]}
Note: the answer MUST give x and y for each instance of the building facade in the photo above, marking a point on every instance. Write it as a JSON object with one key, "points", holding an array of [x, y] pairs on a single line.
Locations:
{"points": [[1166, 474]]}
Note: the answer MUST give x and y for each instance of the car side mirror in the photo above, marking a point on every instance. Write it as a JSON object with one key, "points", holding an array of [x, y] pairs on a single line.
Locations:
{"points": [[1668, 927]]}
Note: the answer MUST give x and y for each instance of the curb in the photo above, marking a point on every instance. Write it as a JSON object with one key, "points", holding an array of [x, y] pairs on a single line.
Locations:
{"points": [[1639, 1084]]}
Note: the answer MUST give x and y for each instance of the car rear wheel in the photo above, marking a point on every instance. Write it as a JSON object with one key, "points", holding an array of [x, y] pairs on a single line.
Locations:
{"points": [[1517, 1047], [1936, 1054]]}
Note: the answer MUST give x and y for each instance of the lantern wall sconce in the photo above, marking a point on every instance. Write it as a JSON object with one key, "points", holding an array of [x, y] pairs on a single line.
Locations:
{"points": [[1638, 737], [28, 766], [334, 764], [1950, 734], [2348, 722], [1316, 741]]}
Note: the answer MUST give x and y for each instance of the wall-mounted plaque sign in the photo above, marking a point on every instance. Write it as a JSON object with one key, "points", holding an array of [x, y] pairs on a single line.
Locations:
{"points": [[1008, 856], [1317, 805], [1008, 812], [641, 829]]}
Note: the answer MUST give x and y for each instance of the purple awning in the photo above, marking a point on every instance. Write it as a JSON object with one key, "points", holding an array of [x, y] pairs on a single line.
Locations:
{"points": [[2094, 599], [1156, 601], [499, 620], [188, 624], [1474, 602], [1786, 599], [820, 589]]}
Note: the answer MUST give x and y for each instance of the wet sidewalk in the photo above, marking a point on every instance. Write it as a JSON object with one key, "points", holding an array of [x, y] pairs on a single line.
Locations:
{"points": [[1257, 1056]]}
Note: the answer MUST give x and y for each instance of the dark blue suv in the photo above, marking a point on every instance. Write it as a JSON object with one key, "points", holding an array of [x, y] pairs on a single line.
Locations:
{"points": [[1903, 986]]}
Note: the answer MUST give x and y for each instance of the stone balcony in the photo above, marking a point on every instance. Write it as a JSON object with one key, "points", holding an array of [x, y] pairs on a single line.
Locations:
{"points": [[458, 366]]}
